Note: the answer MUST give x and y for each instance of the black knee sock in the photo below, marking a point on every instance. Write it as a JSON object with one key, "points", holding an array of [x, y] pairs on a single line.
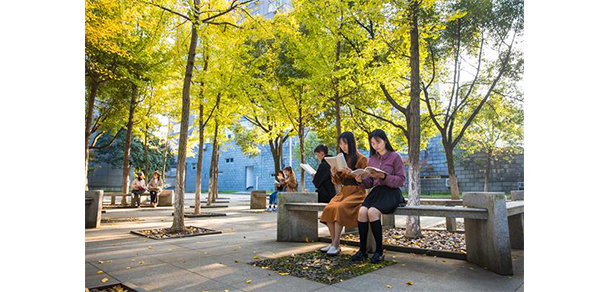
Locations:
{"points": [[363, 230], [377, 233]]}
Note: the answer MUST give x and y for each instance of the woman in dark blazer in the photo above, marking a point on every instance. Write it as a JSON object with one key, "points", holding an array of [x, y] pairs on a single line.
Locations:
{"points": [[322, 180]]}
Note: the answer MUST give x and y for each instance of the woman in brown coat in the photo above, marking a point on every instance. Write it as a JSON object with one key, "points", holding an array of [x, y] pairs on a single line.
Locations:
{"points": [[342, 210], [290, 182]]}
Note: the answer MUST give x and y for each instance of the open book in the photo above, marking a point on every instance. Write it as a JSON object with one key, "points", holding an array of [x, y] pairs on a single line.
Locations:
{"points": [[308, 168], [367, 171], [337, 161]]}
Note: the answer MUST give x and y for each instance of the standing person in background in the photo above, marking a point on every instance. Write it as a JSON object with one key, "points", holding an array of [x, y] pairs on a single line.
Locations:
{"points": [[138, 187], [290, 183], [385, 196], [155, 187], [322, 179], [342, 210], [278, 188]]}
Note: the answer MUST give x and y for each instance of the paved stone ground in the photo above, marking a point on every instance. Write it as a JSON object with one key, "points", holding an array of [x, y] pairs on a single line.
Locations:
{"points": [[219, 262]]}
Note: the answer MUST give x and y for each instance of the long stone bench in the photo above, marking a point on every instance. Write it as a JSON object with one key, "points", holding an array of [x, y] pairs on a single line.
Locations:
{"points": [[93, 208], [492, 225], [164, 199]]}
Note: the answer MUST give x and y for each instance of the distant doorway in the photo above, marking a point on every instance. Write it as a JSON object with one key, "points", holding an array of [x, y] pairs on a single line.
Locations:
{"points": [[249, 177]]}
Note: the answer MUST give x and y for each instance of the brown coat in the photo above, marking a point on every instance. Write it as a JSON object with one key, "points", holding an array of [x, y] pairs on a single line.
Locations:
{"points": [[291, 183], [344, 207]]}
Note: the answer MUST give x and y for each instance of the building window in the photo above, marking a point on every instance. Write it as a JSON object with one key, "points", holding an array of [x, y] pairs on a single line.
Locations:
{"points": [[229, 160], [194, 166]]}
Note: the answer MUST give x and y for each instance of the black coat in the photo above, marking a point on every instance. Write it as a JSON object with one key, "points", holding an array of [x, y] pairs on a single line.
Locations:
{"points": [[324, 185]]}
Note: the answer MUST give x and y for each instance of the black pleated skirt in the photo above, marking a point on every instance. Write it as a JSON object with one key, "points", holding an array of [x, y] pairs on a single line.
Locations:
{"points": [[384, 199]]}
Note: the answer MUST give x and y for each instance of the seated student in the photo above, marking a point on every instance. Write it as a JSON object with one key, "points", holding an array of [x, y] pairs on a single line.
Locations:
{"points": [[290, 182], [385, 196], [155, 187], [138, 186], [342, 210], [322, 179], [278, 188]]}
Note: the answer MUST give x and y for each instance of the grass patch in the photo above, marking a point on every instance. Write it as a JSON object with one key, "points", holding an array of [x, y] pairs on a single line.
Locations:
{"points": [[318, 267]]}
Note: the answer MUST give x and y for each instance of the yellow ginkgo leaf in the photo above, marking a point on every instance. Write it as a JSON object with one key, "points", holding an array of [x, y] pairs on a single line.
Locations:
{"points": [[100, 272], [388, 287], [100, 261], [255, 257], [409, 283], [104, 280], [249, 281], [236, 261], [127, 268], [284, 274]]}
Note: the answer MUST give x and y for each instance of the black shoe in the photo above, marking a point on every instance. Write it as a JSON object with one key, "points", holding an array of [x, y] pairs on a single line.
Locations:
{"points": [[360, 256], [377, 258]]}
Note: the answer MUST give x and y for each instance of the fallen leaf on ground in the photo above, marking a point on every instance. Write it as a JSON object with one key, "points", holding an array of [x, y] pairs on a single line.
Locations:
{"points": [[388, 287], [249, 281], [104, 280], [284, 274], [100, 272], [409, 283], [127, 268], [100, 261], [255, 257], [236, 261]]}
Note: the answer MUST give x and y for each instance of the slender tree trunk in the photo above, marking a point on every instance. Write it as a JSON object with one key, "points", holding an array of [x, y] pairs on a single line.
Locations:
{"points": [[455, 190], [126, 152], [413, 226], [302, 152], [178, 223], [337, 97], [215, 196], [212, 163], [487, 174], [166, 146], [146, 159], [199, 163], [88, 121]]}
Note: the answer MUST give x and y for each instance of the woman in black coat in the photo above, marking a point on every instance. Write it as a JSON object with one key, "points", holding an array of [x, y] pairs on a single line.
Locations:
{"points": [[322, 180]]}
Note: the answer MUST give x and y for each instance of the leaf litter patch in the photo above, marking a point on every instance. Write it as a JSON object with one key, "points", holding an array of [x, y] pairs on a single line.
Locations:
{"points": [[430, 239], [319, 267], [166, 233]]}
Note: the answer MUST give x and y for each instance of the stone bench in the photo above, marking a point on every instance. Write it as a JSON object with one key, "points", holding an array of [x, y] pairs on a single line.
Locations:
{"points": [[93, 208], [164, 199], [492, 225], [258, 199]]}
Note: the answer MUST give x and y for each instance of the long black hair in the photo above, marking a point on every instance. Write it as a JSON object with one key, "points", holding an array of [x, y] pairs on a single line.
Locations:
{"points": [[379, 134], [351, 145]]}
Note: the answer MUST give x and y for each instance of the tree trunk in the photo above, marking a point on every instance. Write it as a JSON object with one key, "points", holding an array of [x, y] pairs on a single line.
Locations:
{"points": [[302, 152], [215, 194], [337, 98], [126, 152], [178, 223], [487, 173], [199, 163], [276, 155], [166, 146], [413, 226], [88, 120], [212, 162], [455, 190], [146, 160]]}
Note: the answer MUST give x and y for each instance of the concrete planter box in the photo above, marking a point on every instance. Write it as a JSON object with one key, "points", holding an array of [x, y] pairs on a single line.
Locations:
{"points": [[93, 208], [258, 199]]}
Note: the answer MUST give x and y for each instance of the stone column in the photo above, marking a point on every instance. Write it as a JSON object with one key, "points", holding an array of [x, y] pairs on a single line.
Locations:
{"points": [[388, 221], [297, 226], [93, 211], [515, 228], [488, 241]]}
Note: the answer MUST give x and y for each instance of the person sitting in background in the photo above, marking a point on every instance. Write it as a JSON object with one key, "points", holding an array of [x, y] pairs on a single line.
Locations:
{"points": [[278, 188], [322, 178], [155, 186], [290, 183], [138, 187]]}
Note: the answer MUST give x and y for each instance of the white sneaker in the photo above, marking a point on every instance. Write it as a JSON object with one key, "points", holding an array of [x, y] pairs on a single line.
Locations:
{"points": [[332, 251], [325, 249]]}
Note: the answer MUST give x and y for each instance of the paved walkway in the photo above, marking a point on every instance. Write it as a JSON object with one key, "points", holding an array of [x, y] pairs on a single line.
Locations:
{"points": [[219, 262]]}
